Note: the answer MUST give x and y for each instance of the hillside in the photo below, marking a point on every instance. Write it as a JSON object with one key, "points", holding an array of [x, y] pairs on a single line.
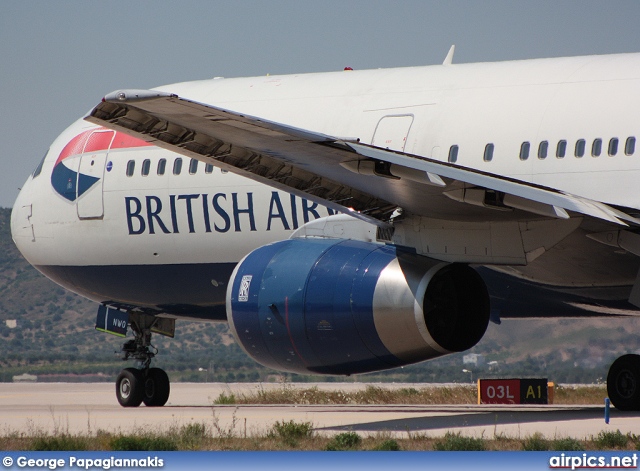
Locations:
{"points": [[55, 330], [55, 336]]}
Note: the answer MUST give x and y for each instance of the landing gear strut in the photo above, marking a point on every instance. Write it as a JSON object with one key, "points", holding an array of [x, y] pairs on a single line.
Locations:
{"points": [[623, 383], [142, 384]]}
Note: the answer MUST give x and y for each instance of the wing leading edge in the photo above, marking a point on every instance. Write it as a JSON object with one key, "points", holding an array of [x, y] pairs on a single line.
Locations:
{"points": [[342, 174]]}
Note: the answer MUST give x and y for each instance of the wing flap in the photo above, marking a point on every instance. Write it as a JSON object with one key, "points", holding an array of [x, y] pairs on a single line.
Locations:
{"points": [[505, 185]]}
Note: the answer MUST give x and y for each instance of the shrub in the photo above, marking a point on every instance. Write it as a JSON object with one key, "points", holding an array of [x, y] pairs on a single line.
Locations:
{"points": [[387, 445], [292, 430], [535, 442], [344, 441], [606, 439], [456, 442], [223, 399], [566, 444], [192, 435]]}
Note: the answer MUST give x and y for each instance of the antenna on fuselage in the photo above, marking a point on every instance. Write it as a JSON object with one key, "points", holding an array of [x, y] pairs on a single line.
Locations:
{"points": [[449, 59]]}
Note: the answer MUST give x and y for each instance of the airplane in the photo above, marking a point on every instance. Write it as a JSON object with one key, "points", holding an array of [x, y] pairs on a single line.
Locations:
{"points": [[350, 221]]}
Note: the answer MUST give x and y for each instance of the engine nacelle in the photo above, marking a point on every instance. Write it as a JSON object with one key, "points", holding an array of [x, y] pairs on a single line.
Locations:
{"points": [[343, 306]]}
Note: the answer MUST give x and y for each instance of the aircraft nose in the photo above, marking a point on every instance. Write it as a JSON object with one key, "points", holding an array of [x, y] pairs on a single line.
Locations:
{"points": [[21, 215]]}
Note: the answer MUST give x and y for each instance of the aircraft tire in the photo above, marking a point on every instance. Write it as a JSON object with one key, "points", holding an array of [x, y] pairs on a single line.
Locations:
{"points": [[129, 387], [156, 388], [623, 383]]}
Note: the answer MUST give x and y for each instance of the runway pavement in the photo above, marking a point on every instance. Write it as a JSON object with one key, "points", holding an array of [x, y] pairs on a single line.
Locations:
{"points": [[88, 407]]}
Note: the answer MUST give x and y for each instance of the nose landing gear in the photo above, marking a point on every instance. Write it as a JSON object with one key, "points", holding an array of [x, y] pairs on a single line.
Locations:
{"points": [[143, 383]]}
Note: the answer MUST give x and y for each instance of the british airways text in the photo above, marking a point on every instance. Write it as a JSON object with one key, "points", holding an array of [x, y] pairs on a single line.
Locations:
{"points": [[219, 212]]}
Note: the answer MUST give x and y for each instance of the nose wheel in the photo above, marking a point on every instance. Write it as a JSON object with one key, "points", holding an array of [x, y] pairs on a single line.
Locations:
{"points": [[134, 386], [156, 388], [143, 384], [129, 390]]}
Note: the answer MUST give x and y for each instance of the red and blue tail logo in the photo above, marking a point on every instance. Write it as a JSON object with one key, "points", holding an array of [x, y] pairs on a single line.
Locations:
{"points": [[65, 178]]}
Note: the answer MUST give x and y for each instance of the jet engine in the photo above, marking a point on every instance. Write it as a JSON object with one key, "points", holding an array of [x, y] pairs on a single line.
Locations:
{"points": [[334, 306]]}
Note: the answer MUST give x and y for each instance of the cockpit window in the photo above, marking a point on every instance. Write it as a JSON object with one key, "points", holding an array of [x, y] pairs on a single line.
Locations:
{"points": [[38, 169]]}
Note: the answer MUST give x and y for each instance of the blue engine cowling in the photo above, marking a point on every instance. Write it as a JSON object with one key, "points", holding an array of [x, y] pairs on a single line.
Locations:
{"points": [[342, 306]]}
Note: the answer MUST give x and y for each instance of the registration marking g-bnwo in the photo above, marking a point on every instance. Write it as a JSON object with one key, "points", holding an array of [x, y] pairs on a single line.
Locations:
{"points": [[243, 292]]}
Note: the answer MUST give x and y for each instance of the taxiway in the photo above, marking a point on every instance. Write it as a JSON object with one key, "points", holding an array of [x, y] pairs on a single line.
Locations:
{"points": [[88, 407]]}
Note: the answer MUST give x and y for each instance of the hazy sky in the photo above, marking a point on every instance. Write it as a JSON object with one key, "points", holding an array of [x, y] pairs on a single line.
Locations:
{"points": [[58, 58]]}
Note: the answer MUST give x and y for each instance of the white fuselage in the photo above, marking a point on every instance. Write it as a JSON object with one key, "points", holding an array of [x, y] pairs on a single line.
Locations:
{"points": [[468, 105], [136, 223], [242, 214]]}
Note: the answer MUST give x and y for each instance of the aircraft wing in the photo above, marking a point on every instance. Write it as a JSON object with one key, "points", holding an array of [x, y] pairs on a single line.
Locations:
{"points": [[340, 173]]}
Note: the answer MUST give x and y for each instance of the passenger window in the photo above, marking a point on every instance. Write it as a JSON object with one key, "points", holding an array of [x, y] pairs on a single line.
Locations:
{"points": [[630, 146], [561, 150], [208, 168], [131, 166], [596, 148], [488, 153], [613, 146], [524, 150], [193, 166], [453, 154], [146, 165], [543, 148], [177, 166], [580, 145], [162, 165]]}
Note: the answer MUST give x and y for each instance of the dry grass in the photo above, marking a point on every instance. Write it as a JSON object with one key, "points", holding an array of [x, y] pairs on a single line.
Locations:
{"points": [[298, 436], [580, 395], [369, 395], [459, 394]]}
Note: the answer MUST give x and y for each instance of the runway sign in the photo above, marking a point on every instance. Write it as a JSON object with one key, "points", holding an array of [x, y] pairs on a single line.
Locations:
{"points": [[514, 391]]}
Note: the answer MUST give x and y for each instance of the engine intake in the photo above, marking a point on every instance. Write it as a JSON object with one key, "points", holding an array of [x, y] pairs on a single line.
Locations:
{"points": [[342, 306]]}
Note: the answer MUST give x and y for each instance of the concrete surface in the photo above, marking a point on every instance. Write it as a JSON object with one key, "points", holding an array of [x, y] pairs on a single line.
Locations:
{"points": [[88, 407]]}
